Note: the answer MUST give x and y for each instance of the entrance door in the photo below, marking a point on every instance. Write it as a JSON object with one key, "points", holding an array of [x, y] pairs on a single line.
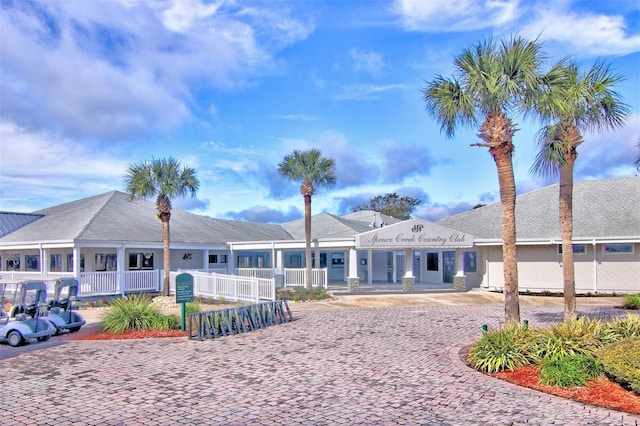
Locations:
{"points": [[448, 266]]}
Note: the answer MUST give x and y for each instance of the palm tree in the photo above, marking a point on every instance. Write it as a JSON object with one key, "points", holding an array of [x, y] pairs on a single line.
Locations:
{"points": [[313, 170], [574, 101], [637, 162], [165, 179], [489, 80]]}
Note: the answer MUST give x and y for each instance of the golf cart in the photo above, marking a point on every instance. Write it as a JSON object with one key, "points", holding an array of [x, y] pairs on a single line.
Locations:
{"points": [[61, 306], [20, 327]]}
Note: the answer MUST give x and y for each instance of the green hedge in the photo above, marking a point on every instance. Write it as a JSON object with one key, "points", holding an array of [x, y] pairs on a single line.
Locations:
{"points": [[621, 362]]}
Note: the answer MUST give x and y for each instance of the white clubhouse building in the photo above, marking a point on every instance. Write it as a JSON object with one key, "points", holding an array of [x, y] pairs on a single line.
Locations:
{"points": [[106, 238]]}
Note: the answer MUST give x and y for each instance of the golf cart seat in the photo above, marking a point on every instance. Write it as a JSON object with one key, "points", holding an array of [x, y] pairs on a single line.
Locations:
{"points": [[28, 298], [63, 299]]}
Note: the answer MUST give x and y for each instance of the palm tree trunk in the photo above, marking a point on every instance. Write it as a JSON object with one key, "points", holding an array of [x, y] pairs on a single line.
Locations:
{"points": [[166, 253], [502, 155], [307, 237], [566, 230]]}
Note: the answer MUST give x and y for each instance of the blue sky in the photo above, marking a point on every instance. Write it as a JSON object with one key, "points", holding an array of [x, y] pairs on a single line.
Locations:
{"points": [[231, 87]]}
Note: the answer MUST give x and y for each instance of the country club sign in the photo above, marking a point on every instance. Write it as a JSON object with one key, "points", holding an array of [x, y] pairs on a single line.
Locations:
{"points": [[414, 233]]}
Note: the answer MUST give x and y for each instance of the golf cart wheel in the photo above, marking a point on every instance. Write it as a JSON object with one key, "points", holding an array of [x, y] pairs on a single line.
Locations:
{"points": [[74, 329], [43, 338], [14, 338]]}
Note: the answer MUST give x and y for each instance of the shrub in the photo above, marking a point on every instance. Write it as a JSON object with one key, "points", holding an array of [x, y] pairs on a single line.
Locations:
{"points": [[506, 348], [622, 327], [583, 336], [192, 308], [567, 371], [134, 313], [631, 301], [621, 362]]}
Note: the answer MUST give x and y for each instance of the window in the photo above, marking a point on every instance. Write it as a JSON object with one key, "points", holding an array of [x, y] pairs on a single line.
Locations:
{"points": [[577, 248], [32, 262], [469, 262], [135, 260], [147, 260], [70, 262], [55, 263], [432, 261], [12, 262], [618, 248], [217, 258], [323, 260], [105, 262], [337, 260]]}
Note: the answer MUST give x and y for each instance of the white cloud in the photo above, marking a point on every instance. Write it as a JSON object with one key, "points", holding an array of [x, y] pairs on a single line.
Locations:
{"points": [[367, 62], [47, 167], [365, 91], [447, 15], [109, 70], [182, 14], [585, 34]]}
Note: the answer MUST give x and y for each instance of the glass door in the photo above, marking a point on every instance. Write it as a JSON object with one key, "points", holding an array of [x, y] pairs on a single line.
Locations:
{"points": [[448, 266]]}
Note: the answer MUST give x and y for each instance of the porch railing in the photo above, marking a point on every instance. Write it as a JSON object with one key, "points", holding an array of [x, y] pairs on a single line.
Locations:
{"points": [[256, 272], [229, 287], [207, 284], [297, 277]]}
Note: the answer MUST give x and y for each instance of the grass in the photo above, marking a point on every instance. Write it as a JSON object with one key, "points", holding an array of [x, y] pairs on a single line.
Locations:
{"points": [[136, 313]]}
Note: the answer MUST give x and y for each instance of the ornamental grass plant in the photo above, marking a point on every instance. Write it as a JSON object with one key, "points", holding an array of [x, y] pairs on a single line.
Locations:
{"points": [[569, 353], [136, 313], [571, 370], [506, 348]]}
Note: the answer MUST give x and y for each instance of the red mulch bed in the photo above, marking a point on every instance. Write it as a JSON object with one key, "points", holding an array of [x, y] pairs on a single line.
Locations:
{"points": [[94, 334], [601, 392]]}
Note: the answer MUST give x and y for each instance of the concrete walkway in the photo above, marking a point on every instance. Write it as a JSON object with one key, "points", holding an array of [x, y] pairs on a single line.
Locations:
{"points": [[338, 362]]}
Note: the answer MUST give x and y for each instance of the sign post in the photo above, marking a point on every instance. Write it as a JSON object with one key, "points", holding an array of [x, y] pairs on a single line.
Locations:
{"points": [[184, 293]]}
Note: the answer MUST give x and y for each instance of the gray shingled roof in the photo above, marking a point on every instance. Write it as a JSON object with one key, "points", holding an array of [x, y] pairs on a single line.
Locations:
{"points": [[325, 225], [110, 217], [601, 209], [10, 221]]}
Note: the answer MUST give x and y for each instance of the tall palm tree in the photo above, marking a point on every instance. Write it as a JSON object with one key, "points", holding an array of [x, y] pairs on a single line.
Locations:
{"points": [[489, 80], [165, 179], [313, 170], [573, 101]]}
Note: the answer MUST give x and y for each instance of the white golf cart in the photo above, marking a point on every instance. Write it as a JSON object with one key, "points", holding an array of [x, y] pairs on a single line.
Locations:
{"points": [[19, 327]]}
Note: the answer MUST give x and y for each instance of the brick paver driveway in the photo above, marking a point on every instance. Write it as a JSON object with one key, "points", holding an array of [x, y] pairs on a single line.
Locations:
{"points": [[376, 366]]}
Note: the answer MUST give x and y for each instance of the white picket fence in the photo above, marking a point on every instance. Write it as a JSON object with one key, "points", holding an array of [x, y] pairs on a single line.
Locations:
{"points": [[249, 284], [228, 287], [294, 277], [94, 283]]}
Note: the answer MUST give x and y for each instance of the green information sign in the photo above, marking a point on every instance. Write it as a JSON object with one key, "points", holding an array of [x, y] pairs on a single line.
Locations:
{"points": [[184, 288]]}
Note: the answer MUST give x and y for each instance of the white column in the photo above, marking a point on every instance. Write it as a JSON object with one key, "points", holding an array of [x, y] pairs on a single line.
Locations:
{"points": [[120, 277], [369, 268], [459, 263], [352, 263], [408, 262], [231, 262], [394, 264], [279, 262], [76, 263], [44, 259], [205, 260]]}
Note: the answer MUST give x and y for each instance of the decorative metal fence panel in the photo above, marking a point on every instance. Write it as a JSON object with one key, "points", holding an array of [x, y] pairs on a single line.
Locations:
{"points": [[226, 322]]}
